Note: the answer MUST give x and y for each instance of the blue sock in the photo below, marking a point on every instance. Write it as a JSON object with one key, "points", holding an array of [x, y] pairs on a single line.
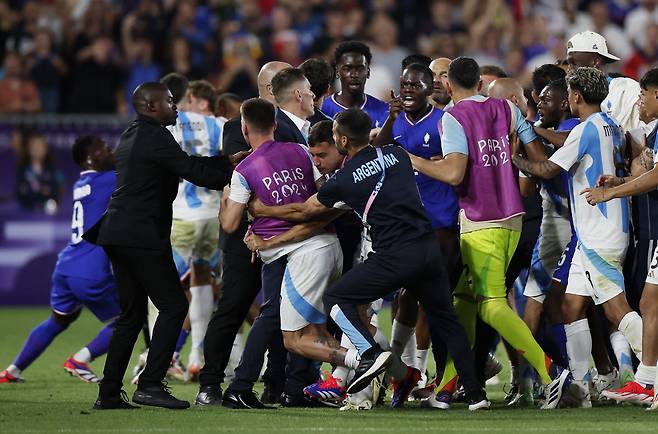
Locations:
{"points": [[99, 345], [182, 338], [560, 338], [40, 337]]}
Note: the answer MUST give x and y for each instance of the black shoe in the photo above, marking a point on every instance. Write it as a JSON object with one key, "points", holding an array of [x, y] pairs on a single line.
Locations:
{"points": [[158, 396], [243, 400], [119, 402], [373, 362], [300, 401], [271, 394], [209, 395]]}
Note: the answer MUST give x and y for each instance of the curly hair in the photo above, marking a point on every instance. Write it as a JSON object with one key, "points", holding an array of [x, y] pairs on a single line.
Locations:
{"points": [[591, 83]]}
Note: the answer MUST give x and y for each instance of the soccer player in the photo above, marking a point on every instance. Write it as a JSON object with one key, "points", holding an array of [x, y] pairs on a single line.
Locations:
{"points": [[489, 74], [477, 160], [644, 179], [405, 255], [591, 150], [280, 173], [82, 275], [440, 97], [195, 229], [416, 130], [352, 60]]}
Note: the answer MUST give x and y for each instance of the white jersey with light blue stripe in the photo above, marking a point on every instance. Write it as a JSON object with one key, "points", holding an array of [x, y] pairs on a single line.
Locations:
{"points": [[202, 136], [593, 148]]}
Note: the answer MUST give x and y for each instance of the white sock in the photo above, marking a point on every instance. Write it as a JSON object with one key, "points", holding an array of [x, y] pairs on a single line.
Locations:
{"points": [[645, 375], [14, 371], [201, 307], [83, 355], [421, 360], [631, 326], [352, 358], [236, 354], [340, 374], [400, 335], [382, 340], [622, 351], [409, 353], [579, 348]]}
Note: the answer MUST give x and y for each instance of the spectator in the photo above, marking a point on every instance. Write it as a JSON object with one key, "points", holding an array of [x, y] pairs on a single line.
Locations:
{"points": [[96, 80], [180, 61], [597, 19], [638, 19], [141, 68], [646, 56], [46, 69], [17, 94], [385, 50], [39, 183]]}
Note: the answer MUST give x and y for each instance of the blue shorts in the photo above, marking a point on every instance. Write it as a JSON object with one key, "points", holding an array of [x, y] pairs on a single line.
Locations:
{"points": [[561, 273], [69, 294]]}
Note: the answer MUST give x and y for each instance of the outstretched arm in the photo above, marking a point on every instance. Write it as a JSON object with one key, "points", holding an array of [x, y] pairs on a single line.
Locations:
{"points": [[293, 212], [450, 169], [541, 169], [557, 138]]}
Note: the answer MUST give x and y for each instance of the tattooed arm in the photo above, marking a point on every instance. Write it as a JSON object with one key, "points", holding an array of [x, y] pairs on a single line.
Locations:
{"points": [[541, 169]]}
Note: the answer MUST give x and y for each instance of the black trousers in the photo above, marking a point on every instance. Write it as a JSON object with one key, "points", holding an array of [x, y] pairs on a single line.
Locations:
{"points": [[265, 334], [141, 274], [242, 282], [419, 268]]}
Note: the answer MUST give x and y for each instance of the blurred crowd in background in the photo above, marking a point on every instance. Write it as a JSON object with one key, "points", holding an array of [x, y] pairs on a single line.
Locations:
{"points": [[86, 56]]}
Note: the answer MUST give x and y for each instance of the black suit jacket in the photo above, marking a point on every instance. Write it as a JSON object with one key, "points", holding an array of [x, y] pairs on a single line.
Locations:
{"points": [[286, 130], [149, 165], [318, 116]]}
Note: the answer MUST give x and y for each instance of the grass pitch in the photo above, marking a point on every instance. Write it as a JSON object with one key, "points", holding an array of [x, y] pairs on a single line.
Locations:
{"points": [[52, 401]]}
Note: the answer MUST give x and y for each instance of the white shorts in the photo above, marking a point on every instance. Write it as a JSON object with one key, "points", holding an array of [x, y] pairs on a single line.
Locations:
{"points": [[310, 270], [554, 235], [596, 273], [652, 274]]}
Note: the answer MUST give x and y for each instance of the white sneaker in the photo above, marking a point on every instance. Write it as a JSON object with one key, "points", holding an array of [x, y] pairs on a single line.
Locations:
{"points": [[553, 392], [604, 382], [442, 402], [362, 400]]}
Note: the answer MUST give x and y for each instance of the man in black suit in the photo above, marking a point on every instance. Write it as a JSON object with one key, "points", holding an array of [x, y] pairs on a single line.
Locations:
{"points": [[293, 94], [135, 233], [320, 74]]}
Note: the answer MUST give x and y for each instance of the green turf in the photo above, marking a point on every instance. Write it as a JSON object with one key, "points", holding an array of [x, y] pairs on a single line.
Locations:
{"points": [[51, 401]]}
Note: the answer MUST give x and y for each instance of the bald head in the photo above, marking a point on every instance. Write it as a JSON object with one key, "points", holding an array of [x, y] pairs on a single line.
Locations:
{"points": [[508, 88], [265, 75], [440, 94], [154, 100]]}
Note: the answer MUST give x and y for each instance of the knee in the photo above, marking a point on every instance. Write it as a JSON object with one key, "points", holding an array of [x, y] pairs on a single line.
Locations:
{"points": [[65, 320]]}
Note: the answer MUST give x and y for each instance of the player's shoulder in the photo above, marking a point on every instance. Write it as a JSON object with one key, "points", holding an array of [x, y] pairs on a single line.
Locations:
{"points": [[623, 84]]}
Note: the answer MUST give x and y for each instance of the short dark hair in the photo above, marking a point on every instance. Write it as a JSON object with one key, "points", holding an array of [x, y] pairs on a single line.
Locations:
{"points": [[319, 73], [283, 81], [225, 98], [177, 85], [202, 89], [82, 146], [494, 70], [545, 74], [465, 72], [352, 47], [355, 124], [416, 58], [259, 114], [559, 85], [321, 132], [649, 79], [591, 83], [423, 69]]}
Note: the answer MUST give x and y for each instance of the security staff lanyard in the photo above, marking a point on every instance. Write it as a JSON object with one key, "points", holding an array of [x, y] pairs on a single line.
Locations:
{"points": [[375, 191]]}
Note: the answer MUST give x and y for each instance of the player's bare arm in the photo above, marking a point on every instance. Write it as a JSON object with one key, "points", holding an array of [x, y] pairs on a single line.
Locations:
{"points": [[541, 169], [230, 212], [294, 212], [450, 169]]}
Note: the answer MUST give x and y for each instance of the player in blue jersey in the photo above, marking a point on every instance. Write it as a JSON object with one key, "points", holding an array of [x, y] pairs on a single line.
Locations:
{"points": [[352, 60], [413, 123], [82, 275]]}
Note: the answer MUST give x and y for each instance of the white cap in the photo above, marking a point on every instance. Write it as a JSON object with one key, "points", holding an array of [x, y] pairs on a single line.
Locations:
{"points": [[590, 42]]}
